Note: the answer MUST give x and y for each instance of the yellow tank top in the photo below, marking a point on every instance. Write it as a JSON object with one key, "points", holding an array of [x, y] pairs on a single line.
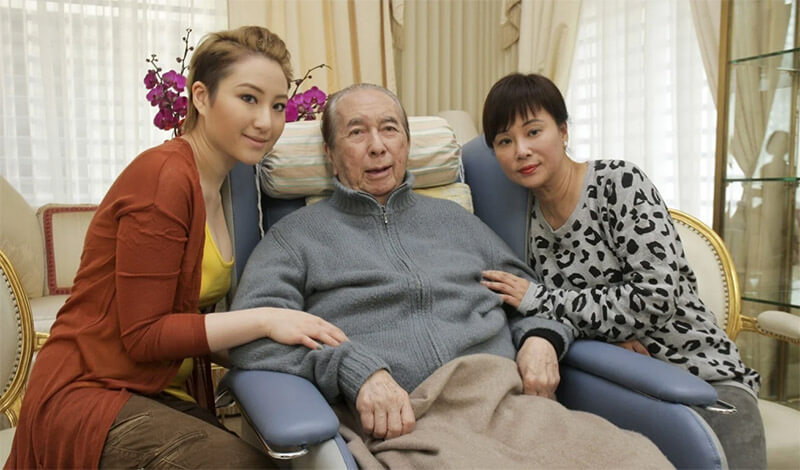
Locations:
{"points": [[215, 280]]}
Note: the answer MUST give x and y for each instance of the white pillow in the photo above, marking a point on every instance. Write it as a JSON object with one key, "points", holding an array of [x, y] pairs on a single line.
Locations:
{"points": [[297, 167]]}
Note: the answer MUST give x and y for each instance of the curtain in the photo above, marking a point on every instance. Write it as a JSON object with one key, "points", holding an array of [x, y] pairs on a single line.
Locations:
{"points": [[353, 37], [73, 111], [706, 18], [638, 92], [450, 54], [547, 34]]}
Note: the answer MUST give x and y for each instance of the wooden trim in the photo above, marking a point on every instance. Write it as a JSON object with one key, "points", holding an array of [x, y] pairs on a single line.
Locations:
{"points": [[9, 401], [735, 320], [50, 257], [723, 90]]}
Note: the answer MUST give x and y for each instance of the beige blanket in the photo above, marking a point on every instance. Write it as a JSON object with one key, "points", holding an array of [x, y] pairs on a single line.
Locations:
{"points": [[471, 413]]}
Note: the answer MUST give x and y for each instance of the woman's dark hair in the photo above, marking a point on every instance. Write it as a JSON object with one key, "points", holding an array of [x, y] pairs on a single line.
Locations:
{"points": [[516, 95]]}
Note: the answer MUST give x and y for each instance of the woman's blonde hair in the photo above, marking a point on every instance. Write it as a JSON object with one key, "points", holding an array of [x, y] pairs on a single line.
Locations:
{"points": [[218, 52]]}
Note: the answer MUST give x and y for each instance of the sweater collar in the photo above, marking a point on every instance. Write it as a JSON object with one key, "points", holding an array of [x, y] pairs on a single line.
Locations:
{"points": [[359, 202]]}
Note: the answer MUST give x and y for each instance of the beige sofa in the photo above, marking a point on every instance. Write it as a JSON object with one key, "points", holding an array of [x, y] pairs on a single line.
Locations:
{"points": [[44, 245]]}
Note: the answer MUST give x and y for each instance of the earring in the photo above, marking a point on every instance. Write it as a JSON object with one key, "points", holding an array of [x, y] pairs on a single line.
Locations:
{"points": [[565, 144]]}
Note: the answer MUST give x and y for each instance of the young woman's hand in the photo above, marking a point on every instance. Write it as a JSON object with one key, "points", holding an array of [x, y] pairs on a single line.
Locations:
{"points": [[295, 327], [226, 330], [510, 287]]}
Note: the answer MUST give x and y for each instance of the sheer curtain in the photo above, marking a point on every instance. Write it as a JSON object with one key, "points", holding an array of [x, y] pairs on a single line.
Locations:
{"points": [[638, 92], [73, 111], [449, 55], [353, 37]]}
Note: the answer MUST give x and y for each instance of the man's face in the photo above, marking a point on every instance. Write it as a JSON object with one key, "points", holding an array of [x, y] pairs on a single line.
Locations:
{"points": [[371, 147]]}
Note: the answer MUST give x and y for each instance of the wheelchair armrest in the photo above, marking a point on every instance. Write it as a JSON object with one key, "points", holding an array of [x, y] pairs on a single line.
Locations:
{"points": [[285, 410], [640, 373]]}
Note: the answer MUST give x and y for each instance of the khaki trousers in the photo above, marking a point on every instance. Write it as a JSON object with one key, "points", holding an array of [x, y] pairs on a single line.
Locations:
{"points": [[167, 432]]}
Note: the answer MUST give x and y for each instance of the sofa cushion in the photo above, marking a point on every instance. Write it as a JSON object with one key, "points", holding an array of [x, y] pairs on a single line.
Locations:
{"points": [[297, 166], [64, 227], [45, 309], [6, 438], [781, 424], [21, 239]]}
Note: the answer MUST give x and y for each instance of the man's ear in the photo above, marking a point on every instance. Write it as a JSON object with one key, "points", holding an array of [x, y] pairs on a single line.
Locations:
{"points": [[200, 98], [329, 156]]}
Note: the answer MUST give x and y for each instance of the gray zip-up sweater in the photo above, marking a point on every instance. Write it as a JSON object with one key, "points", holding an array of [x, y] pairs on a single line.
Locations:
{"points": [[401, 280]]}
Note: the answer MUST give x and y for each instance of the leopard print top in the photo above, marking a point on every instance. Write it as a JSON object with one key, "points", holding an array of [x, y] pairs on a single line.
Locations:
{"points": [[616, 270]]}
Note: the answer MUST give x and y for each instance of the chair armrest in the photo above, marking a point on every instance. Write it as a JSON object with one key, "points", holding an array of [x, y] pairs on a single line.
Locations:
{"points": [[640, 373], [780, 324], [285, 410]]}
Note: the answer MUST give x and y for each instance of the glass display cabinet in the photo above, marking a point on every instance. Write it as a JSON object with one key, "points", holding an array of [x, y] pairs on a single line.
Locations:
{"points": [[757, 211]]}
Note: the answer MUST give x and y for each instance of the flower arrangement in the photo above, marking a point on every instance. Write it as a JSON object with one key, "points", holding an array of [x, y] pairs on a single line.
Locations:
{"points": [[166, 90], [307, 105]]}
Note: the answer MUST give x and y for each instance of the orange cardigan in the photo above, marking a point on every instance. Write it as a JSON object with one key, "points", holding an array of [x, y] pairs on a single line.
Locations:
{"points": [[121, 329]]}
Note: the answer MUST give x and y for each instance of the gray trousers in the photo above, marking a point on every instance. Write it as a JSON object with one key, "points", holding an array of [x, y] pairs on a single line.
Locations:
{"points": [[167, 432], [742, 433]]}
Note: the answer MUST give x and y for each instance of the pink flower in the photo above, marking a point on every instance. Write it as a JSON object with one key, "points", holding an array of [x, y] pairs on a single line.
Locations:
{"points": [[163, 119], [165, 90], [315, 95], [175, 80], [291, 110], [150, 80], [155, 95], [181, 105]]}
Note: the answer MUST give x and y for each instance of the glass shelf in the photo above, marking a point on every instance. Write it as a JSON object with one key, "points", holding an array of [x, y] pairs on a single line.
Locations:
{"points": [[764, 56], [763, 238], [784, 179], [754, 24], [794, 301], [759, 141], [757, 212]]}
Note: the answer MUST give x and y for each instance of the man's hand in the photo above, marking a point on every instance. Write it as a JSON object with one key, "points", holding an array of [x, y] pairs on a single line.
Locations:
{"points": [[385, 407], [635, 346], [538, 366]]}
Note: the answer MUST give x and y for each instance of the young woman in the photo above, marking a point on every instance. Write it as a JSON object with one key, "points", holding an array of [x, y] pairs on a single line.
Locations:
{"points": [[109, 387], [610, 261]]}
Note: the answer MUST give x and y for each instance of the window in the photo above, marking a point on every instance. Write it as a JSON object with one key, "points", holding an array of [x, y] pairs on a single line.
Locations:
{"points": [[73, 111], [638, 92]]}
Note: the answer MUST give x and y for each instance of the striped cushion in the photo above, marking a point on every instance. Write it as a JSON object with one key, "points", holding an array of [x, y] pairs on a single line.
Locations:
{"points": [[297, 166], [456, 192]]}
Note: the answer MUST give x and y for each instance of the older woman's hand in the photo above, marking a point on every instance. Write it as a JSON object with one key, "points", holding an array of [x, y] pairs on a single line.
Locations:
{"points": [[510, 287], [537, 363], [385, 407], [635, 346]]}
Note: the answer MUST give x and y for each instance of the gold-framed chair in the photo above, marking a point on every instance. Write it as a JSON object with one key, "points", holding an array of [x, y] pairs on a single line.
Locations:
{"points": [[16, 350], [718, 287]]}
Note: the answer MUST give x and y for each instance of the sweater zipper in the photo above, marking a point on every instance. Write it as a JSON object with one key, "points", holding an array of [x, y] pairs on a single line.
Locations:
{"points": [[417, 279], [402, 260]]}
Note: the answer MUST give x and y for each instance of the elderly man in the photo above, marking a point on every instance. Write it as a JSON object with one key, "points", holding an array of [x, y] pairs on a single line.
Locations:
{"points": [[400, 274]]}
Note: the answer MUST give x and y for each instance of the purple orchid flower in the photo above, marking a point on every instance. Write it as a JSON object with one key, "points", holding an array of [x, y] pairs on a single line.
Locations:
{"points": [[150, 80], [291, 110]]}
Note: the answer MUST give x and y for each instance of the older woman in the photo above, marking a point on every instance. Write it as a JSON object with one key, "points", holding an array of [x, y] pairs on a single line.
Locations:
{"points": [[109, 388], [609, 259]]}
